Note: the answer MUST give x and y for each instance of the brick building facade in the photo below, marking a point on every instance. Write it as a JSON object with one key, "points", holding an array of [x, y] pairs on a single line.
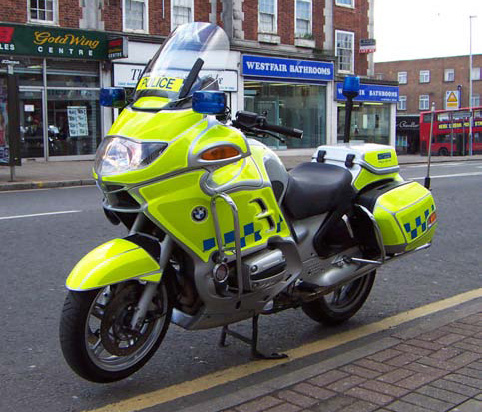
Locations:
{"points": [[327, 32], [445, 74]]}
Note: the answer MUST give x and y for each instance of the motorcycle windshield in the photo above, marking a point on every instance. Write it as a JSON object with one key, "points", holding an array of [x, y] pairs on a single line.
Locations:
{"points": [[166, 73]]}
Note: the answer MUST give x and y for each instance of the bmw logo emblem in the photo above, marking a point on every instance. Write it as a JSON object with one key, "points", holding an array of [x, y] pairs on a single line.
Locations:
{"points": [[199, 213]]}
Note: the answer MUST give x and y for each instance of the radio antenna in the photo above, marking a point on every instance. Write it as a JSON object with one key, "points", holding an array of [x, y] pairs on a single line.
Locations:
{"points": [[427, 178]]}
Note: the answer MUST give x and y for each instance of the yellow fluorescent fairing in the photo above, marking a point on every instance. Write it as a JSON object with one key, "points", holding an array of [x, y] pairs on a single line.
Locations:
{"points": [[113, 262]]}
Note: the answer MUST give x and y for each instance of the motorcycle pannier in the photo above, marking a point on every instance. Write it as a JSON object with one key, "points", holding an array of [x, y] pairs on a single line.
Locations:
{"points": [[405, 213], [368, 163]]}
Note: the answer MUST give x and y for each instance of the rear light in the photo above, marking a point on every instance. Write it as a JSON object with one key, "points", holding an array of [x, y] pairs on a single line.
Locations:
{"points": [[432, 219]]}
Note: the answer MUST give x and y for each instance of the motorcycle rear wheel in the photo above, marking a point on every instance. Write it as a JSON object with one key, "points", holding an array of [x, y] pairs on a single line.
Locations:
{"points": [[340, 305], [95, 334]]}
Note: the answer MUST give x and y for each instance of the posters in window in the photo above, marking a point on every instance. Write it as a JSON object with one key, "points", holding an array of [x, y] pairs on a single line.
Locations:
{"points": [[77, 118]]}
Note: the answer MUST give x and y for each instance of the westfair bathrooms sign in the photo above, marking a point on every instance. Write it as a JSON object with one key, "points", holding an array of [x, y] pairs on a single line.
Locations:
{"points": [[46, 41], [271, 67]]}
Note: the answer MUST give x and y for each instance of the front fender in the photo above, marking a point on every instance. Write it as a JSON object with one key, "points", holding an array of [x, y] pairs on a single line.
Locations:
{"points": [[113, 262]]}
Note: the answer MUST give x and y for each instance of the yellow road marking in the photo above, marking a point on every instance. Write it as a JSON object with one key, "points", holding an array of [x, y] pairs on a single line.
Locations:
{"points": [[212, 380]]}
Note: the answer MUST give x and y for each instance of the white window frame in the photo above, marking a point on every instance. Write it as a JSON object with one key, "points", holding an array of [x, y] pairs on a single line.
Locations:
{"points": [[275, 22], [422, 99], [297, 35], [449, 75], [55, 9], [475, 100], [401, 76], [476, 73], [145, 29], [424, 76], [352, 61], [173, 26], [402, 103], [342, 3]]}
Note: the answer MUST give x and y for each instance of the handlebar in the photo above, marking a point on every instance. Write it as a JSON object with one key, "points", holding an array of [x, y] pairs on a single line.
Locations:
{"points": [[254, 122]]}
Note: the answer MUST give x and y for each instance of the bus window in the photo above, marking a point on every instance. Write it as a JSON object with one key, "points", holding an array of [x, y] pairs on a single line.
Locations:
{"points": [[427, 118], [443, 117]]}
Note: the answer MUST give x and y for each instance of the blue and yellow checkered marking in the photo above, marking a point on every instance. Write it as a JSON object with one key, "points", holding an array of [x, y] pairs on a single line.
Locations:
{"points": [[278, 224], [229, 237], [420, 224]]}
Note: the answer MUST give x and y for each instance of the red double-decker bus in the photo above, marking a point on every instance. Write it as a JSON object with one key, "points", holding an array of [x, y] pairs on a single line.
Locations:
{"points": [[451, 132]]}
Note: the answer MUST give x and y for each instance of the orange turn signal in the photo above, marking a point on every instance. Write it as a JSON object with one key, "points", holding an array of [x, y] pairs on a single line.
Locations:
{"points": [[432, 218], [220, 153]]}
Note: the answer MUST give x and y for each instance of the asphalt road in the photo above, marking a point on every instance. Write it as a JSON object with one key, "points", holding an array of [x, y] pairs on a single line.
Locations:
{"points": [[38, 249]]}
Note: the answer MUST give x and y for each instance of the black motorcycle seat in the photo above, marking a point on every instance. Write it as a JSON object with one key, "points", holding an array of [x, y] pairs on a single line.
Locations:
{"points": [[316, 188]]}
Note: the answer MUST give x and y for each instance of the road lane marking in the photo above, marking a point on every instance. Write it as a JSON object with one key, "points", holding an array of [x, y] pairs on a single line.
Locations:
{"points": [[445, 176], [40, 214], [203, 383], [432, 164]]}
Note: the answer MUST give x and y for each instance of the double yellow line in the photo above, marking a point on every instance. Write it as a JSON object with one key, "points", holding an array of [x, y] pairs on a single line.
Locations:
{"points": [[212, 380]]}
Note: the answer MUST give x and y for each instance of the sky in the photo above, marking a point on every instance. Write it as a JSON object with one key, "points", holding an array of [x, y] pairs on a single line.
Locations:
{"points": [[417, 29]]}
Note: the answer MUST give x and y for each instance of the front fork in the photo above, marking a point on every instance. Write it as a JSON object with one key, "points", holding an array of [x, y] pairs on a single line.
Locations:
{"points": [[151, 288]]}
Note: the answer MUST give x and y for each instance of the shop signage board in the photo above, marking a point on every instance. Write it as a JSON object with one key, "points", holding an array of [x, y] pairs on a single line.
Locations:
{"points": [[371, 93], [118, 48], [44, 41], [452, 100], [274, 67], [368, 46]]}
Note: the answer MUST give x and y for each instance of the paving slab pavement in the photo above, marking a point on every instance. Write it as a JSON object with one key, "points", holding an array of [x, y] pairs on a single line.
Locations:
{"points": [[36, 174]]}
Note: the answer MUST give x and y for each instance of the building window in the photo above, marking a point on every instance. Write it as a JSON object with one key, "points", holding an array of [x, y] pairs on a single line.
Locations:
{"points": [[345, 3], [44, 11], [267, 16], [402, 103], [424, 76], [475, 100], [475, 73], [449, 75], [303, 19], [182, 12], [345, 51], [135, 15], [402, 77], [423, 102]]}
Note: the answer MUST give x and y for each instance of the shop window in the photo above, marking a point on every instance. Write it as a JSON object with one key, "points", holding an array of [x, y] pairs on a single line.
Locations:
{"points": [[449, 75], [402, 103], [423, 102], [42, 11], [345, 3], [402, 78], [345, 51], [424, 76], [267, 11], [64, 73], [136, 15], [370, 123], [182, 12], [475, 73], [301, 106], [303, 19], [475, 100]]}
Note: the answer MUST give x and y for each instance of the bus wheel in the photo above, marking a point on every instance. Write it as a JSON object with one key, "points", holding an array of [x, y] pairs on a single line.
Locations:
{"points": [[443, 151]]}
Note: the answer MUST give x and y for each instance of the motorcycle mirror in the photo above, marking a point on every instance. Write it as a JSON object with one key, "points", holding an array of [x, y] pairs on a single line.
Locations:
{"points": [[209, 102], [113, 97], [351, 86]]}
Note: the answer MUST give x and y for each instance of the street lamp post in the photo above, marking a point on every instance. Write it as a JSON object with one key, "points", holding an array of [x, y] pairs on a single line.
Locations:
{"points": [[471, 139]]}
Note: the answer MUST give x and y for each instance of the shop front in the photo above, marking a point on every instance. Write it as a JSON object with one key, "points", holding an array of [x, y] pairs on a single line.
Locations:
{"points": [[59, 75], [290, 93], [373, 116], [408, 134]]}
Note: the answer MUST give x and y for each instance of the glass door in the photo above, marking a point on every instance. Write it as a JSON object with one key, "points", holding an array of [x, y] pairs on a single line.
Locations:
{"points": [[31, 122]]}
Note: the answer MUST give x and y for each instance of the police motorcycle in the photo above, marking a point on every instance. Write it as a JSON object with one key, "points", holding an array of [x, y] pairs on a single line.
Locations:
{"points": [[218, 230]]}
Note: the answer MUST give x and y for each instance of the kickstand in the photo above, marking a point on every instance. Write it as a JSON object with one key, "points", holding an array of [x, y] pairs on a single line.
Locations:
{"points": [[253, 342]]}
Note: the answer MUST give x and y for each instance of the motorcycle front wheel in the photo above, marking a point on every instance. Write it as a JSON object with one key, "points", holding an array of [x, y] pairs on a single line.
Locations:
{"points": [[95, 333], [340, 305]]}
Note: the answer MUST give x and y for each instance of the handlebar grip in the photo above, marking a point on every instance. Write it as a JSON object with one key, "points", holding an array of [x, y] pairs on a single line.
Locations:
{"points": [[287, 131]]}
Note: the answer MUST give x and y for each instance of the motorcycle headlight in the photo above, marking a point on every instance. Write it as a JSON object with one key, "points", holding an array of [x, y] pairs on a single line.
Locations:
{"points": [[117, 155]]}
